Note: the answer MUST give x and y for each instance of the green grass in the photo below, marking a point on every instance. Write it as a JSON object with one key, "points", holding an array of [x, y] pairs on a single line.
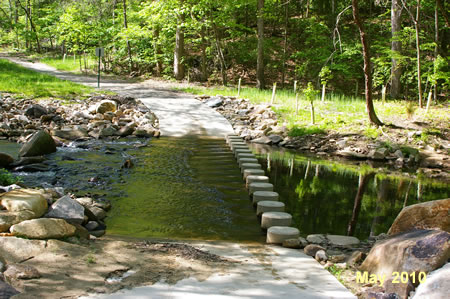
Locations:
{"points": [[338, 113], [19, 80], [69, 64]]}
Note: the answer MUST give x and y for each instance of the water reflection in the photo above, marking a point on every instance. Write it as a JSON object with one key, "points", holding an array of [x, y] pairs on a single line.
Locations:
{"points": [[338, 198]]}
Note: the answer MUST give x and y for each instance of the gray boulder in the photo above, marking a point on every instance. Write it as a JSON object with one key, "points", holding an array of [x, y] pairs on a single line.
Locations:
{"points": [[40, 144], [68, 209], [436, 286], [70, 134], [7, 291], [106, 106], [21, 271], [214, 102], [35, 111]]}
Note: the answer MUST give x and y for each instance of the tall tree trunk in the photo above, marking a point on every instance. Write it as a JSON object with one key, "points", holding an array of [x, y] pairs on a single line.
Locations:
{"points": [[286, 18], [367, 69], [158, 51], [29, 18], [436, 40], [396, 46], [203, 66], [419, 73], [223, 66], [260, 82], [363, 180], [444, 12], [125, 25], [178, 64]]}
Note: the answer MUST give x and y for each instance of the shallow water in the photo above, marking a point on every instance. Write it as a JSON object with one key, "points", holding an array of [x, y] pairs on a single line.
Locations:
{"points": [[321, 194], [186, 188]]}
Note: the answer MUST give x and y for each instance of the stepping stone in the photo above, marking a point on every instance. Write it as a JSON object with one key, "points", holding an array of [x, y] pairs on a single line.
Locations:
{"points": [[238, 144], [256, 179], [277, 234], [236, 147], [242, 151], [244, 155], [269, 206], [251, 171], [246, 160], [270, 219], [245, 166], [264, 196], [259, 187]]}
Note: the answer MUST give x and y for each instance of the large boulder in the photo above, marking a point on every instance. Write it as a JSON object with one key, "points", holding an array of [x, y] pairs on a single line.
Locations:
{"points": [[70, 134], [436, 286], [40, 144], [43, 228], [7, 291], [17, 249], [414, 251], [427, 215], [20, 205], [35, 111], [338, 240], [68, 209], [5, 160]]}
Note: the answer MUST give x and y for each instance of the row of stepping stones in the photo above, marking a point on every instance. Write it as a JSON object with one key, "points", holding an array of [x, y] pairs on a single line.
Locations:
{"points": [[268, 207]]}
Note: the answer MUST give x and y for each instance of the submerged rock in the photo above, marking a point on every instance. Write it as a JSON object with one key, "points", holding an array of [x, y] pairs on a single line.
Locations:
{"points": [[5, 160]]}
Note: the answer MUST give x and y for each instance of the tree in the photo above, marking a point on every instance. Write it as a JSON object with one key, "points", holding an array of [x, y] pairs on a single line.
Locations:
{"points": [[396, 45], [260, 82], [178, 63], [367, 70], [125, 26], [325, 76]]}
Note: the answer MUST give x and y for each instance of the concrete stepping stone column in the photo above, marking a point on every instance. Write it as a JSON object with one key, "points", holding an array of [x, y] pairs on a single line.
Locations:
{"points": [[270, 219], [255, 179], [253, 171], [236, 152], [277, 234], [245, 166], [259, 187], [234, 148], [247, 160], [269, 206], [244, 155], [264, 196]]}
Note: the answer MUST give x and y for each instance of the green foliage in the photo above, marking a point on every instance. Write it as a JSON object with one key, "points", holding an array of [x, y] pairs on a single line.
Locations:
{"points": [[296, 131], [325, 75], [6, 178], [310, 93]]}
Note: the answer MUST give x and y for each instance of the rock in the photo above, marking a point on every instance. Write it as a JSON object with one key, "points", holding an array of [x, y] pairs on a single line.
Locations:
{"points": [[126, 130], [321, 256], [81, 232], [436, 286], [5, 160], [275, 139], [43, 228], [214, 102], [4, 189], [337, 240], [97, 233], [107, 132], [262, 140], [68, 209], [21, 271], [349, 153], [106, 106], [341, 143], [35, 111], [91, 225], [414, 251], [316, 239], [311, 249], [355, 258], [70, 134], [40, 144], [399, 154], [400, 288], [99, 213], [28, 160], [16, 249], [291, 243], [20, 205], [303, 242], [339, 258], [7, 291], [378, 154], [428, 215]]}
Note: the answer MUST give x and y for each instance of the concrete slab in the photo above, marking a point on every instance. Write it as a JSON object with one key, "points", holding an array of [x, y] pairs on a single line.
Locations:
{"points": [[264, 271]]}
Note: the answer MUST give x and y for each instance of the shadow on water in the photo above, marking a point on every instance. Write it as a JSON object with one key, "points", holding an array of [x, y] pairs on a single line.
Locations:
{"points": [[187, 188], [339, 198]]}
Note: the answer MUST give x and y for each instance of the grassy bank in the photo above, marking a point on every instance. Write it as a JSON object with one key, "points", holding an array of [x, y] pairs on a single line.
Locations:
{"points": [[22, 81], [70, 64], [337, 113]]}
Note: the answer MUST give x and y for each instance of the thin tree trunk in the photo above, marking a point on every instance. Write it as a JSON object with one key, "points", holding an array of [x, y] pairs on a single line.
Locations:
{"points": [[223, 66], [419, 75], [178, 64], [444, 13], [396, 46], [260, 82], [125, 25], [158, 52], [363, 180], [286, 18], [436, 40], [367, 70], [307, 8], [203, 61]]}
